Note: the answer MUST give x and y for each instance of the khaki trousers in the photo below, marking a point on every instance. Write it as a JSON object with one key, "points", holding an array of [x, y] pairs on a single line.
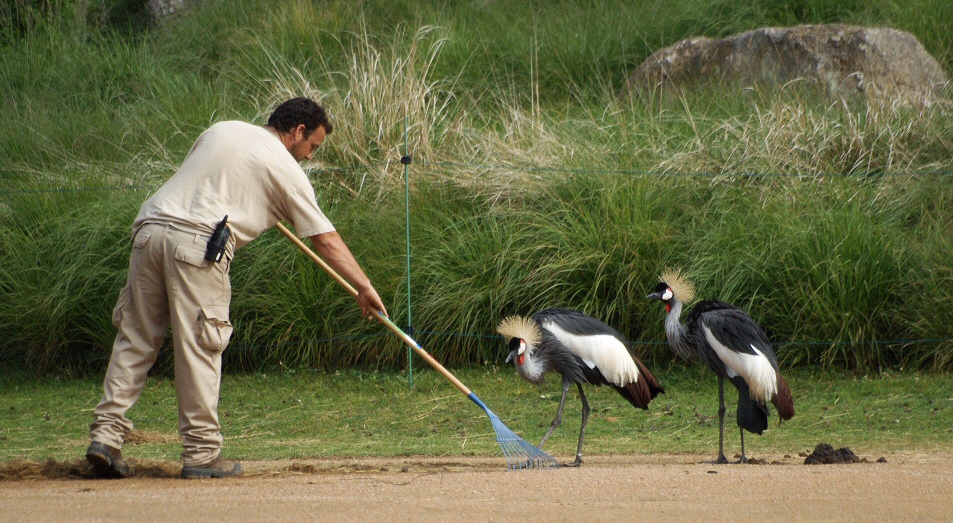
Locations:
{"points": [[170, 284]]}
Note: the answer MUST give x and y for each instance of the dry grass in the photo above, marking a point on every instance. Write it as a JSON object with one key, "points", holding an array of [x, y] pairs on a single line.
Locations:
{"points": [[385, 95], [793, 135]]}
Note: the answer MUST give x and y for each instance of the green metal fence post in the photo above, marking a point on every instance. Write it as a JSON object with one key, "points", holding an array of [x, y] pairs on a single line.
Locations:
{"points": [[406, 161]]}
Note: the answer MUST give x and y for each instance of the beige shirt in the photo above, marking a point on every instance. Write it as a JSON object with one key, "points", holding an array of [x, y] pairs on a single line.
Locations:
{"points": [[243, 171]]}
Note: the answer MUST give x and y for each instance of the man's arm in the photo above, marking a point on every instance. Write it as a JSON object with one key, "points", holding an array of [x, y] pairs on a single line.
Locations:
{"points": [[337, 254]]}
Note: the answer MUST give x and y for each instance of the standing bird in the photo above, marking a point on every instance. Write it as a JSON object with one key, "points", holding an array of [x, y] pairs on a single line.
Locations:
{"points": [[734, 347], [583, 350]]}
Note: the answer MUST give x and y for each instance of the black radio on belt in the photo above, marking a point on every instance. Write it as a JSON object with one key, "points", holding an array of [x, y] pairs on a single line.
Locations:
{"points": [[218, 241]]}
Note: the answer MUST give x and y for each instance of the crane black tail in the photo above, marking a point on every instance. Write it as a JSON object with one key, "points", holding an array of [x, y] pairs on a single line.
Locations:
{"points": [[752, 416]]}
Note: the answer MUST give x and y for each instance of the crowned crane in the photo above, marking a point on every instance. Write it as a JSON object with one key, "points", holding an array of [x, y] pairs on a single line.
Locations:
{"points": [[583, 350], [734, 347]]}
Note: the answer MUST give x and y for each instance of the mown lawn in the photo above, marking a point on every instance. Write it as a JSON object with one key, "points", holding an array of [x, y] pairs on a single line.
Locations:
{"points": [[286, 414]]}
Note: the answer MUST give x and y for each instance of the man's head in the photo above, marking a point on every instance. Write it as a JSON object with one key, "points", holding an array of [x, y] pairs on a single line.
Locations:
{"points": [[300, 111], [301, 125]]}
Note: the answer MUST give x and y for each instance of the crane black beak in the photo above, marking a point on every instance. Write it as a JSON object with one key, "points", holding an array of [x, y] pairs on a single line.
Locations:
{"points": [[512, 355], [655, 296]]}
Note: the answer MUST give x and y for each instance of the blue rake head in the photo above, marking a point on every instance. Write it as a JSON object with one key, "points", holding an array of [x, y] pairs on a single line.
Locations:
{"points": [[519, 453]]}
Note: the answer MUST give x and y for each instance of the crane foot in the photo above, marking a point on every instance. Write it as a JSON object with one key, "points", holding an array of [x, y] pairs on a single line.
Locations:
{"points": [[574, 463]]}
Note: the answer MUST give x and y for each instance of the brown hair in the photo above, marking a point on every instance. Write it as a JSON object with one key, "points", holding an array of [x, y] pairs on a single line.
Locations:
{"points": [[298, 111]]}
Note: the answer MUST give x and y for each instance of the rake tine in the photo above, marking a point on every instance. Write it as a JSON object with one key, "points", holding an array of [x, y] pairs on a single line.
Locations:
{"points": [[519, 453]]}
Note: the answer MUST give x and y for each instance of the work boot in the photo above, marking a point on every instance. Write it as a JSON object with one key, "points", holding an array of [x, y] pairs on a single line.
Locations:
{"points": [[107, 462], [217, 468]]}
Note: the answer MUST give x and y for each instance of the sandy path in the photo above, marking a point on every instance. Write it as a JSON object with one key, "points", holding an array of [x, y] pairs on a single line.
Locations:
{"points": [[908, 487]]}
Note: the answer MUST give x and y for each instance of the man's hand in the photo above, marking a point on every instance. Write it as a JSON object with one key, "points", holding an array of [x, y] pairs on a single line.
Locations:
{"points": [[370, 303]]}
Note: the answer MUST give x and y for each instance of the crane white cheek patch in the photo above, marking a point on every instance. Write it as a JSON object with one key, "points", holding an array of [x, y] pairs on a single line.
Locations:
{"points": [[600, 351], [754, 368], [529, 367]]}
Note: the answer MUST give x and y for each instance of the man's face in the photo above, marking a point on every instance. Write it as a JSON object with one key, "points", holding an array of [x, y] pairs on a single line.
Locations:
{"points": [[302, 147]]}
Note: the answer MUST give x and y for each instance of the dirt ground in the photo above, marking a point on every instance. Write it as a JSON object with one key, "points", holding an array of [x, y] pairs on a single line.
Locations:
{"points": [[902, 487]]}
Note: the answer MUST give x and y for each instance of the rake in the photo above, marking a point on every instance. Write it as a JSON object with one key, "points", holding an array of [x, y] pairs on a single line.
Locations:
{"points": [[519, 453]]}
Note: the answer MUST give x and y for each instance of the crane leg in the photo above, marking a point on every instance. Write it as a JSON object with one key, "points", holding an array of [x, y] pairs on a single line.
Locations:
{"points": [[721, 421], [744, 459], [582, 429], [559, 415]]}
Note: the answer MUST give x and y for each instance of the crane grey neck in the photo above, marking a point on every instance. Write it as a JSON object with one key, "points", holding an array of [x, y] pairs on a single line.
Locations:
{"points": [[676, 332], [534, 367]]}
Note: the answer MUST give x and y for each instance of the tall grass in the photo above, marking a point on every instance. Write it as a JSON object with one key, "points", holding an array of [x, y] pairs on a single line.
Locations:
{"points": [[63, 266], [533, 185]]}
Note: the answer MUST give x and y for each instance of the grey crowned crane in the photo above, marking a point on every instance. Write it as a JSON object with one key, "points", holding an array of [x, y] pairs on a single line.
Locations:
{"points": [[734, 347], [583, 350]]}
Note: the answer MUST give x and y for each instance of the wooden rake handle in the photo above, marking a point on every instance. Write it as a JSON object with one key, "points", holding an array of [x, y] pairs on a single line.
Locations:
{"points": [[380, 315]]}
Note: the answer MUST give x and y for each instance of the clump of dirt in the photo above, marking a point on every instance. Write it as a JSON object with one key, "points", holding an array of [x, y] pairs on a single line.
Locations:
{"points": [[24, 470], [21, 469], [824, 454], [51, 469]]}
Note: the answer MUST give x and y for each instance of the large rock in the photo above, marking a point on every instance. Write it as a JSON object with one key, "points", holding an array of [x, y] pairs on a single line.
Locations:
{"points": [[844, 61], [162, 8]]}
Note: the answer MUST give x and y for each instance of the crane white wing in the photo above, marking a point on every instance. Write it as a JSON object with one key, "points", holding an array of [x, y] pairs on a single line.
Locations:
{"points": [[755, 368], [601, 351]]}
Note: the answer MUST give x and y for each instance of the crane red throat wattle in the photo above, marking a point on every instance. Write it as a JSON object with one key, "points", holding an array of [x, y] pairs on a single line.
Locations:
{"points": [[521, 359]]}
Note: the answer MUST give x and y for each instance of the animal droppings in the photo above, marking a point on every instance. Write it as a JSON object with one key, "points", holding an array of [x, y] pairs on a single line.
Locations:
{"points": [[824, 454]]}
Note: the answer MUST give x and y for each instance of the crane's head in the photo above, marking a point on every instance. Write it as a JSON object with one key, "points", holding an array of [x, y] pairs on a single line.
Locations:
{"points": [[673, 286], [523, 336], [517, 351]]}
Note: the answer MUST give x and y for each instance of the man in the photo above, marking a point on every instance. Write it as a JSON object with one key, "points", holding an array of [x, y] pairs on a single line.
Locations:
{"points": [[252, 175]]}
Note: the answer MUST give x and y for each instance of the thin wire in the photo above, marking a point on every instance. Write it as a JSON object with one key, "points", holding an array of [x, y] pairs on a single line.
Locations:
{"points": [[918, 341], [527, 169], [335, 339]]}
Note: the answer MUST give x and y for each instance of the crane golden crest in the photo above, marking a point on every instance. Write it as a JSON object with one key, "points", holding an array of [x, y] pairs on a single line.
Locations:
{"points": [[522, 328], [682, 287]]}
